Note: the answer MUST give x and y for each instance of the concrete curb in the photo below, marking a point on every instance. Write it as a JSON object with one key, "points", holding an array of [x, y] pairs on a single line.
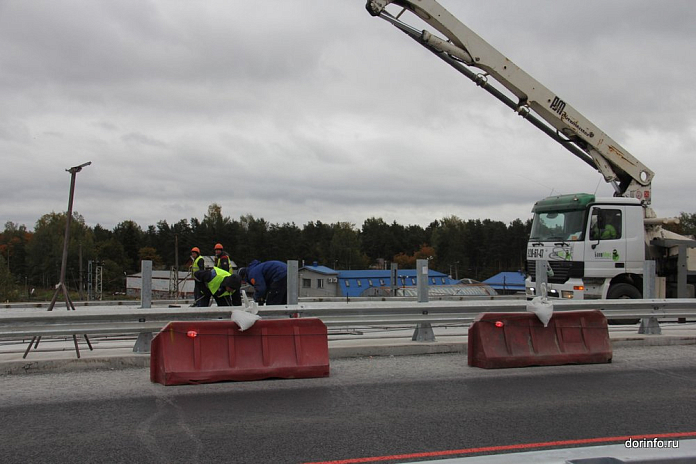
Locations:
{"points": [[73, 365], [653, 340], [397, 349]]}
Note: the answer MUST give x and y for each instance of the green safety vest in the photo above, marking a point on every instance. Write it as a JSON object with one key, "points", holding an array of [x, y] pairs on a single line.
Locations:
{"points": [[214, 284]]}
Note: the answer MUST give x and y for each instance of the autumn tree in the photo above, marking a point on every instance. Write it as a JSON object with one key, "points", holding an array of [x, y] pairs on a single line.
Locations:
{"points": [[13, 243]]}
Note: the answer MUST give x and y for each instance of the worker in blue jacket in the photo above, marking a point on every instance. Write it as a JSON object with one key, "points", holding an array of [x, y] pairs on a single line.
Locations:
{"points": [[270, 281]]}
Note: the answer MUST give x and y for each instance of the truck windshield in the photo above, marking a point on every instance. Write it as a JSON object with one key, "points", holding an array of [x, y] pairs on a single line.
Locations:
{"points": [[558, 225]]}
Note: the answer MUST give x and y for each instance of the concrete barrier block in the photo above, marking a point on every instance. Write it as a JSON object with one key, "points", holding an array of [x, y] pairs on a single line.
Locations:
{"points": [[498, 340], [215, 351]]}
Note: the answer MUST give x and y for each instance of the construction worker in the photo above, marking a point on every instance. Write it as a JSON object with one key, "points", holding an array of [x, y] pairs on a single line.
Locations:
{"points": [[602, 227], [197, 264], [222, 258], [221, 285], [270, 281]]}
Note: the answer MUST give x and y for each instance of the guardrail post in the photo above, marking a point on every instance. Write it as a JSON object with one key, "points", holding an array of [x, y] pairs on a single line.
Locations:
{"points": [[541, 276], [424, 330], [422, 280], [142, 344], [423, 333], [293, 273], [146, 284], [649, 325]]}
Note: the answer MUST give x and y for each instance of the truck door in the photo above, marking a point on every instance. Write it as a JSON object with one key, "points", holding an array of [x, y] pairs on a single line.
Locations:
{"points": [[605, 250]]}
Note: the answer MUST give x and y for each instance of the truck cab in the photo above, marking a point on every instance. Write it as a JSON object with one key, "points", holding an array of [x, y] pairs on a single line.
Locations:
{"points": [[594, 246]]}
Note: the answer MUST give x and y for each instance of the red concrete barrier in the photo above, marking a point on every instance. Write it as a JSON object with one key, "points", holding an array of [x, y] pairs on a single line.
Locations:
{"points": [[519, 339], [215, 351]]}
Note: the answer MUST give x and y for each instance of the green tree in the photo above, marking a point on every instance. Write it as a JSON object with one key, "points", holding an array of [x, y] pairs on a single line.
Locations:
{"points": [[253, 242], [214, 228], [345, 248], [101, 234], [130, 235], [316, 243], [112, 250], [686, 225], [494, 258], [516, 239], [8, 287], [284, 242], [414, 236], [449, 242], [45, 250], [378, 240]]}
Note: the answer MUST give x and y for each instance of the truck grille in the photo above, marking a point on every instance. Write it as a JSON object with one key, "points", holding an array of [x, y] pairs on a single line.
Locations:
{"points": [[562, 270]]}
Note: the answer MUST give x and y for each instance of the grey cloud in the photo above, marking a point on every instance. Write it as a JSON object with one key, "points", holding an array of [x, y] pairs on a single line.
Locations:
{"points": [[313, 110]]}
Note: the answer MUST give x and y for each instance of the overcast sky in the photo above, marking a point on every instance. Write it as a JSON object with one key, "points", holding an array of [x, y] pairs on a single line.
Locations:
{"points": [[307, 110]]}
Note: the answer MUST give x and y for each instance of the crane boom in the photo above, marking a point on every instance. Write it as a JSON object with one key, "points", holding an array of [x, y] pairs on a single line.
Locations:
{"points": [[464, 49]]}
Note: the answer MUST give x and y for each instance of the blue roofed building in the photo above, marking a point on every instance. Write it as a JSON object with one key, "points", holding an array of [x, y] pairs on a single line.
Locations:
{"points": [[321, 281], [507, 283], [371, 282]]}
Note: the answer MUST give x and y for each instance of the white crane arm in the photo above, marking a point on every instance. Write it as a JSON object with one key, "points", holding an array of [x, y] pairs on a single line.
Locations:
{"points": [[462, 46]]}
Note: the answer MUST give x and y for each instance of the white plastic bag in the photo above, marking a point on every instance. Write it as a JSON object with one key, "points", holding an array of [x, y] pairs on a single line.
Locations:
{"points": [[541, 306], [244, 319], [250, 305]]}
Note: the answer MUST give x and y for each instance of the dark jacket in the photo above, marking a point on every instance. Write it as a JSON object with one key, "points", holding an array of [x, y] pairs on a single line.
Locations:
{"points": [[263, 275], [223, 261]]}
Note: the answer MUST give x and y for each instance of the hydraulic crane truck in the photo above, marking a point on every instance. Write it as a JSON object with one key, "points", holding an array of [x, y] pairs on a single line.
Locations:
{"points": [[589, 247]]}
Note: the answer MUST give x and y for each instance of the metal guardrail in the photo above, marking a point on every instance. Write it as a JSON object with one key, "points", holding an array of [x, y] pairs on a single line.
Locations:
{"points": [[303, 300], [121, 320], [614, 309], [93, 320]]}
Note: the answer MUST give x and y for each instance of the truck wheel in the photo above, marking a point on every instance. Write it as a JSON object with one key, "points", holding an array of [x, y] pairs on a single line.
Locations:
{"points": [[623, 291]]}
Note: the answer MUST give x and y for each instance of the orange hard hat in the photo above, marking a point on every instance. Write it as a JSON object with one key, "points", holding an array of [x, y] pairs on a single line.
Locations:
{"points": [[195, 249], [218, 246]]}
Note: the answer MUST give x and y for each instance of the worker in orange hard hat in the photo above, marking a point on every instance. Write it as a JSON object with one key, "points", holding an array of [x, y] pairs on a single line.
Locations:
{"points": [[222, 258], [197, 264]]}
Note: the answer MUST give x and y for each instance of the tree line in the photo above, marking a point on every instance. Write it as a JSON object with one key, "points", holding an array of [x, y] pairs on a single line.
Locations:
{"points": [[475, 249]]}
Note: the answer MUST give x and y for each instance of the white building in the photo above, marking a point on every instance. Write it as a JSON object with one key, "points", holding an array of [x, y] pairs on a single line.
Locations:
{"points": [[166, 284]]}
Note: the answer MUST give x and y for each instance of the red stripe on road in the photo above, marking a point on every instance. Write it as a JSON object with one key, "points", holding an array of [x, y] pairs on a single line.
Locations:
{"points": [[523, 446]]}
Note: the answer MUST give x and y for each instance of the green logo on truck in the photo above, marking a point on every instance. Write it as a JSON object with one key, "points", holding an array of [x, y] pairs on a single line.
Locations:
{"points": [[613, 255]]}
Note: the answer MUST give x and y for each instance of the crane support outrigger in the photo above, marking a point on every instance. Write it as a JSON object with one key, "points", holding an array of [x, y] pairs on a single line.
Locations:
{"points": [[585, 261]]}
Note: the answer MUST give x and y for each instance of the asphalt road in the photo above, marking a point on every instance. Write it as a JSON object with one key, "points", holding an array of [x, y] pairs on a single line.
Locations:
{"points": [[368, 407]]}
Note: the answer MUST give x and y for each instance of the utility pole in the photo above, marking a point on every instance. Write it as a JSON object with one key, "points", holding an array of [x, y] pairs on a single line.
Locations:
{"points": [[61, 287]]}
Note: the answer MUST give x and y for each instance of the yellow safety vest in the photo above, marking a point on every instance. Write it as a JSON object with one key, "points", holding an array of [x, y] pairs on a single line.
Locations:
{"points": [[218, 276]]}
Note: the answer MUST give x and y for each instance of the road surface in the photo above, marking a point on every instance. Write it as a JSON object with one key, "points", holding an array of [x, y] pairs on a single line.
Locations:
{"points": [[368, 407]]}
